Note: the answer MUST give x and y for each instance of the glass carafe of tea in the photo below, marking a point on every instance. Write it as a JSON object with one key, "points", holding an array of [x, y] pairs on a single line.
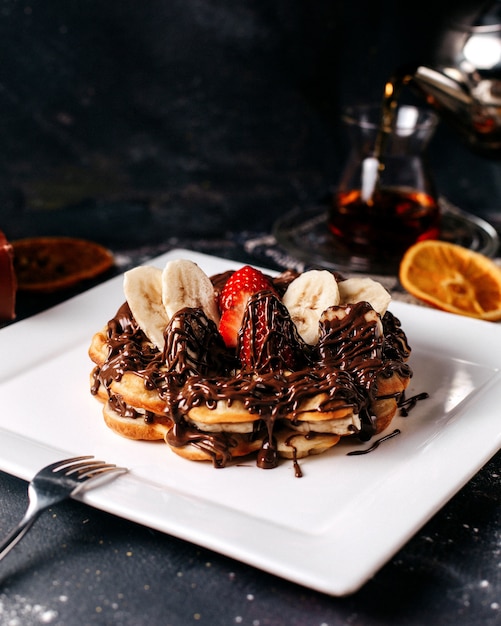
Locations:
{"points": [[385, 200]]}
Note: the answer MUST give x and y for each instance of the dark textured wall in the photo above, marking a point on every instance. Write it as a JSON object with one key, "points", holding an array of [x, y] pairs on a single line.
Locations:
{"points": [[166, 110]]}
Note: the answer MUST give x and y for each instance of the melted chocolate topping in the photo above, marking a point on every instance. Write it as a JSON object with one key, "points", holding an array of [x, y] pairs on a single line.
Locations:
{"points": [[395, 345], [351, 340], [123, 409], [270, 338], [128, 350]]}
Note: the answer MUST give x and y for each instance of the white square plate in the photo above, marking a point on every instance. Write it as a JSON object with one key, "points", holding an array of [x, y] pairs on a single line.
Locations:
{"points": [[330, 530]]}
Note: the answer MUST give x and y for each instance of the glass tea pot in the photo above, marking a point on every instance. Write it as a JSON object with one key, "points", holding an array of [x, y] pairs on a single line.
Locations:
{"points": [[385, 199]]}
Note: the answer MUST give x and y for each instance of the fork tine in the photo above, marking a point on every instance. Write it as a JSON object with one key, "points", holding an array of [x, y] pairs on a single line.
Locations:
{"points": [[94, 475], [59, 465], [85, 470], [79, 468], [82, 468], [78, 465], [103, 469]]}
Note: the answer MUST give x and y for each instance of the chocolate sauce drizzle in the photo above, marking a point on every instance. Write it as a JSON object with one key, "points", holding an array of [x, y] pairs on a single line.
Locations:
{"points": [[118, 404], [407, 404], [356, 349], [375, 445]]}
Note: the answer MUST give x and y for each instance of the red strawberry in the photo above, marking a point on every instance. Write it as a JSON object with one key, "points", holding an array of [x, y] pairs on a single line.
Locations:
{"points": [[269, 339], [233, 299], [243, 283]]}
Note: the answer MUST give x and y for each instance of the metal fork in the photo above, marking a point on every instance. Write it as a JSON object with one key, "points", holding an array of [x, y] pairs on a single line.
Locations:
{"points": [[56, 483]]}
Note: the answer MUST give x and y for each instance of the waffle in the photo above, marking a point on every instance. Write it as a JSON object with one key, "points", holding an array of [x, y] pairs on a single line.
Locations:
{"points": [[198, 397]]}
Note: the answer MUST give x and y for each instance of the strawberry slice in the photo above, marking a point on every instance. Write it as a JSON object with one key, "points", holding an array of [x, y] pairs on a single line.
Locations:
{"points": [[229, 325], [233, 299], [269, 340]]}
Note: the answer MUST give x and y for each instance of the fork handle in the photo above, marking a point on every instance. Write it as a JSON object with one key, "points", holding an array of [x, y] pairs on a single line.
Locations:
{"points": [[18, 532]]}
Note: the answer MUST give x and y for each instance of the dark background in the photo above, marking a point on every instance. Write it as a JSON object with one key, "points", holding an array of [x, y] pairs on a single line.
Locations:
{"points": [[199, 117], [143, 123]]}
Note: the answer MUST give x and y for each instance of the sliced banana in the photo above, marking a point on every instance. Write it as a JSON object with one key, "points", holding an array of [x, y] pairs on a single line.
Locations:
{"points": [[143, 292], [307, 297], [368, 290], [184, 284]]}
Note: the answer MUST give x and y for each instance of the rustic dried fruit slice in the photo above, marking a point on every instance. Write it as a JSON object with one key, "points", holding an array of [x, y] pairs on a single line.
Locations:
{"points": [[453, 278], [47, 264]]}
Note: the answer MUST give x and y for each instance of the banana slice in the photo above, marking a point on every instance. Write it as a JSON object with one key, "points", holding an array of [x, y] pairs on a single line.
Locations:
{"points": [[184, 284], [357, 289], [143, 292], [307, 297]]}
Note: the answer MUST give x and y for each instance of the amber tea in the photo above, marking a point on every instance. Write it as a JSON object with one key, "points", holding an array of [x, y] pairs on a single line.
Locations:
{"points": [[386, 225]]}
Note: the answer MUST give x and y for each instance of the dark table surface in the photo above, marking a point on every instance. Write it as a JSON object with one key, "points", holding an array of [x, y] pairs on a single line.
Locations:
{"points": [[115, 129]]}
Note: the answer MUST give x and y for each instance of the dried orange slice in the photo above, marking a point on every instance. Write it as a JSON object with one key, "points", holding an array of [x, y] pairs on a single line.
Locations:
{"points": [[47, 264], [453, 278]]}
